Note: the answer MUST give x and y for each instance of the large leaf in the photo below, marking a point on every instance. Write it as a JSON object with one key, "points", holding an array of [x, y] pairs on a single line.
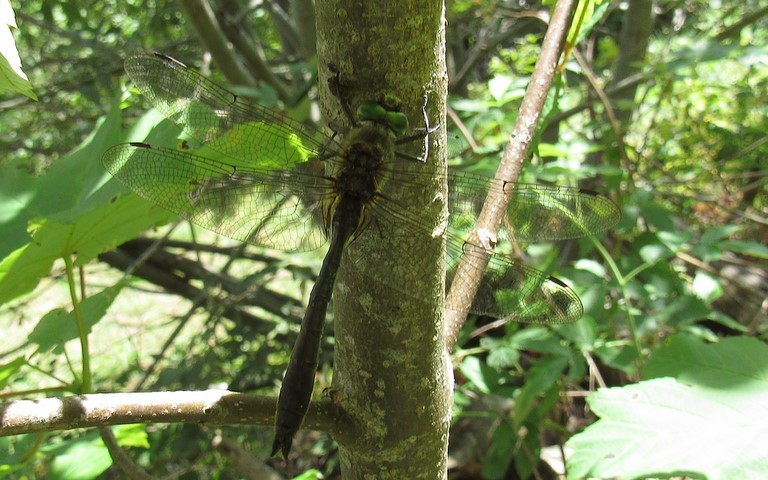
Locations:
{"points": [[711, 421], [99, 230], [12, 78], [69, 210]]}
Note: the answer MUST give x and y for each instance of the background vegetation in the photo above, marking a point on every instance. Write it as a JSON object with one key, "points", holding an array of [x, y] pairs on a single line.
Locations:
{"points": [[672, 341]]}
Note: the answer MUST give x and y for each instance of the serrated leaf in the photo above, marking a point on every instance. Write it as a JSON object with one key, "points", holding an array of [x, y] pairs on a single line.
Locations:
{"points": [[711, 421]]}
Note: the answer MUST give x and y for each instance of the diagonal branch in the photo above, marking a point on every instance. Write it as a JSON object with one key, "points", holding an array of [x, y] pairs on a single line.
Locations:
{"points": [[468, 276]]}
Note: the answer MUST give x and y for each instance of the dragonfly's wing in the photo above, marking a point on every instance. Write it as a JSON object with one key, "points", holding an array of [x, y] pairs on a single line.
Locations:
{"points": [[508, 289], [258, 206], [536, 213], [220, 119]]}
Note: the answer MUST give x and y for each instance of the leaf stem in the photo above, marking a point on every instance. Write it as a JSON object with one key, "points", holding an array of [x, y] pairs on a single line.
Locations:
{"points": [[622, 281]]}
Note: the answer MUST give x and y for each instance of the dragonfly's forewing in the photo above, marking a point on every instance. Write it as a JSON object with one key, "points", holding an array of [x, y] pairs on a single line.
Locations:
{"points": [[215, 116]]}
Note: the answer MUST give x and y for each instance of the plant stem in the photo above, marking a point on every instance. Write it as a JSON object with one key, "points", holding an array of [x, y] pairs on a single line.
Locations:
{"points": [[81, 328]]}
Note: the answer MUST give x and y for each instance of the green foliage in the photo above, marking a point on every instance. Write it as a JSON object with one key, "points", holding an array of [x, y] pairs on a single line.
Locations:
{"points": [[82, 217], [700, 412]]}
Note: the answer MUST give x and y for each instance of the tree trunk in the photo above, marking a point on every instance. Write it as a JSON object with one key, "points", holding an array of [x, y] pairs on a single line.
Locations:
{"points": [[392, 374]]}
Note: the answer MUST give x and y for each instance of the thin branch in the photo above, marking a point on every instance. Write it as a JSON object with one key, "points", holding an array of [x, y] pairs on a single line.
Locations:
{"points": [[468, 275], [203, 20], [98, 410], [214, 407], [121, 458], [251, 52]]}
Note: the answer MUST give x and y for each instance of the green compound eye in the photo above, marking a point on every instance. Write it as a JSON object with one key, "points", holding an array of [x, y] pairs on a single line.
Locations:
{"points": [[398, 122], [375, 112], [372, 111]]}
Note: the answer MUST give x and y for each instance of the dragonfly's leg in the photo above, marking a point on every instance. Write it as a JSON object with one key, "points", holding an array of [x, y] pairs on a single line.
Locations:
{"points": [[423, 134], [337, 89]]}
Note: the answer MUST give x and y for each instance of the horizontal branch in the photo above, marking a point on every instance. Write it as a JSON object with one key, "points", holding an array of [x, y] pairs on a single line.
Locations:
{"points": [[216, 407], [97, 410]]}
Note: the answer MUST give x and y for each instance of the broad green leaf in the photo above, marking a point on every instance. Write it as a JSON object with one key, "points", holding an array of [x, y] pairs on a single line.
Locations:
{"points": [[241, 143], [483, 377], [539, 379], [99, 230], [706, 287], [310, 474], [683, 310], [710, 421], [131, 435], [12, 78], [14, 453], [68, 187], [496, 461], [501, 352], [713, 235], [654, 253], [83, 459], [752, 249]]}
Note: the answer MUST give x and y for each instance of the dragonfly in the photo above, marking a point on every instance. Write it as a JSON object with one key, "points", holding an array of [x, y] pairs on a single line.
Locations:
{"points": [[258, 176]]}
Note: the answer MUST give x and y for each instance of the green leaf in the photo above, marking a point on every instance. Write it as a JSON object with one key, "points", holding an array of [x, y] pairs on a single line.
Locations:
{"points": [[709, 422], [706, 287], [25, 197], [99, 230], [753, 249], [654, 253], [82, 459], [483, 377], [242, 147], [58, 326], [12, 78], [683, 310], [496, 461], [310, 474], [539, 379], [131, 435], [501, 352], [9, 368], [14, 453]]}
